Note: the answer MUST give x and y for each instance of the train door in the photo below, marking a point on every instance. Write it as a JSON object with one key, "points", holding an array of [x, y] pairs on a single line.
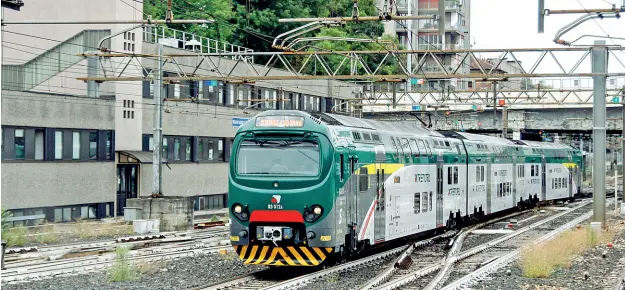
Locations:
{"points": [[439, 191], [543, 182], [489, 186], [379, 220]]}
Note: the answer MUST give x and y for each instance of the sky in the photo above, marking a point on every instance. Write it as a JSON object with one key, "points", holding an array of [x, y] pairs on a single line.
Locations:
{"points": [[514, 24]]}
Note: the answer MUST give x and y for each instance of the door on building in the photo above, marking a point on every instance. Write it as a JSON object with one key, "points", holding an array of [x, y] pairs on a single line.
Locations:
{"points": [[127, 184]]}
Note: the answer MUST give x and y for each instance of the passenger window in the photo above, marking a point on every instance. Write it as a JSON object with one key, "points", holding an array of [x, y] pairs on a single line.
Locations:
{"points": [[417, 202], [449, 176], [364, 179], [399, 146], [342, 166], [430, 201], [455, 174], [482, 173], [424, 205], [395, 147], [428, 148], [422, 147], [407, 150], [415, 149]]}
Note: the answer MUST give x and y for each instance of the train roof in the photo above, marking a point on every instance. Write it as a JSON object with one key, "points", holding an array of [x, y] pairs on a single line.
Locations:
{"points": [[353, 122]]}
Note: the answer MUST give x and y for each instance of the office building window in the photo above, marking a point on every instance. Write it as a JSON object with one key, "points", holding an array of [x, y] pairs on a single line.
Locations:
{"points": [[176, 149], [151, 143], [19, 143], [76, 145], [58, 145], [165, 146], [200, 149], [39, 144], [93, 145], [109, 141], [188, 149]]}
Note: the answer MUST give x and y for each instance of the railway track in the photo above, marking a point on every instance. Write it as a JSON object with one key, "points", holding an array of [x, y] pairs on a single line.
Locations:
{"points": [[266, 279], [434, 273], [57, 260]]}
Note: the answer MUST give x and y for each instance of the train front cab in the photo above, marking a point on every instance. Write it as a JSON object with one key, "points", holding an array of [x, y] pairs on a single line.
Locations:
{"points": [[281, 195]]}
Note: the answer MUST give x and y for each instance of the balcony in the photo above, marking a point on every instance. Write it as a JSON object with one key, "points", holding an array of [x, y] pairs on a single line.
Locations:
{"points": [[450, 6], [402, 6], [432, 26]]}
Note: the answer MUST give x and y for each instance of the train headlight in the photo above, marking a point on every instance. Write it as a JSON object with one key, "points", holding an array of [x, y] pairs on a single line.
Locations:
{"points": [[313, 213], [240, 212]]}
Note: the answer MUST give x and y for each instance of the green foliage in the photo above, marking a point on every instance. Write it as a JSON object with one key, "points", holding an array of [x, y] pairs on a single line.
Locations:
{"points": [[122, 270], [16, 237], [5, 224], [254, 24]]}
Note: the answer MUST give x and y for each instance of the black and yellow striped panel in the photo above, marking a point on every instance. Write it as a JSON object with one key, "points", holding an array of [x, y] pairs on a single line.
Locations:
{"points": [[282, 256]]}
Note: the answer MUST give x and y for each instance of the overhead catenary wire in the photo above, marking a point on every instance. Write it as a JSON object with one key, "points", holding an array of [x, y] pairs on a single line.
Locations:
{"points": [[604, 32], [276, 83]]}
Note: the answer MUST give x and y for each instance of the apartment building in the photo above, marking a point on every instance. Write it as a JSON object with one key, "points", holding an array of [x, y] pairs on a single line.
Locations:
{"points": [[423, 35]]}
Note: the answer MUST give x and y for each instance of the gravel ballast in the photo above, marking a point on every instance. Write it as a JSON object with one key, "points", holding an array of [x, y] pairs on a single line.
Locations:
{"points": [[602, 272], [184, 273]]}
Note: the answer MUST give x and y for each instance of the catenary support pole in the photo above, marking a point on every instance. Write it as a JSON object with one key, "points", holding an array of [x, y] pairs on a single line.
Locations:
{"points": [[157, 164], [504, 122], [622, 142], [494, 104], [599, 65]]}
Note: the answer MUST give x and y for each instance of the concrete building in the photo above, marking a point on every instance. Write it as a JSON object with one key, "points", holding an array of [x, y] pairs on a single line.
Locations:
{"points": [[507, 66], [69, 154], [423, 35]]}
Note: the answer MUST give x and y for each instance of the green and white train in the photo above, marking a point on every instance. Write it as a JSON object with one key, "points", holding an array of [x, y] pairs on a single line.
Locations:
{"points": [[303, 187]]}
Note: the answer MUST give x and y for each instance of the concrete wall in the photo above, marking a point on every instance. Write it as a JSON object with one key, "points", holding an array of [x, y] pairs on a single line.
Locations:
{"points": [[69, 10], [547, 119], [45, 110], [187, 119], [45, 184], [187, 179]]}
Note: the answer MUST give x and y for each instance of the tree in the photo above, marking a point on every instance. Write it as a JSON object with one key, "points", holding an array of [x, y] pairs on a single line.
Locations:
{"points": [[254, 24]]}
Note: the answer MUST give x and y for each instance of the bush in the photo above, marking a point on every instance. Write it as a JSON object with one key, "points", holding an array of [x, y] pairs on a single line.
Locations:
{"points": [[16, 237], [122, 270]]}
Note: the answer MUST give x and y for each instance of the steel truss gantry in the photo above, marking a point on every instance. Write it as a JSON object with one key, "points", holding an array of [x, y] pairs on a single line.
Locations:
{"points": [[533, 65]]}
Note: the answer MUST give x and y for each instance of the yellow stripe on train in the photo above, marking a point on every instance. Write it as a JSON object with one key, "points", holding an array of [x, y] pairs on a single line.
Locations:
{"points": [[388, 168], [281, 256]]}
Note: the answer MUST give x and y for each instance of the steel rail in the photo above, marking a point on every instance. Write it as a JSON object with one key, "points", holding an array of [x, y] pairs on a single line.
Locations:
{"points": [[465, 254], [506, 259], [88, 267], [386, 274]]}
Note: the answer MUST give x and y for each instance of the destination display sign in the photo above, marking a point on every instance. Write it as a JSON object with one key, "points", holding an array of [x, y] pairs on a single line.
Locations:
{"points": [[280, 121]]}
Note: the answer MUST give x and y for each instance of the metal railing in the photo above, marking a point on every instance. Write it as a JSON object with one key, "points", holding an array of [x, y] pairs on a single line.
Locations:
{"points": [[51, 62], [193, 42]]}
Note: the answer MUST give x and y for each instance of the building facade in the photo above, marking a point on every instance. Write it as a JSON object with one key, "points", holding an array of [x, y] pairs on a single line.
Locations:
{"points": [[423, 35], [70, 153]]}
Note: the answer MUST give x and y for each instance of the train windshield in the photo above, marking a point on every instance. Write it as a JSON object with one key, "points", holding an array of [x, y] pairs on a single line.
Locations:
{"points": [[279, 157]]}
